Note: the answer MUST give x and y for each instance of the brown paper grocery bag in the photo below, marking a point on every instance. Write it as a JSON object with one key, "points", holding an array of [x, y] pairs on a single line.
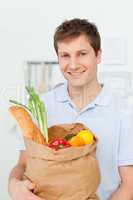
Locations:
{"points": [[66, 174]]}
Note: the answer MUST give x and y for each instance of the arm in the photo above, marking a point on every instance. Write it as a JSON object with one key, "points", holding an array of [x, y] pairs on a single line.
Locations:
{"points": [[125, 190], [18, 170], [19, 189]]}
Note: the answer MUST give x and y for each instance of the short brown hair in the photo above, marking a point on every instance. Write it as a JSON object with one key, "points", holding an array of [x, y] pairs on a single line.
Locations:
{"points": [[74, 28]]}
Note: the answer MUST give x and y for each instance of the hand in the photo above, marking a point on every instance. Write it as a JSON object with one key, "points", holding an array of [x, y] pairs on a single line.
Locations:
{"points": [[21, 190]]}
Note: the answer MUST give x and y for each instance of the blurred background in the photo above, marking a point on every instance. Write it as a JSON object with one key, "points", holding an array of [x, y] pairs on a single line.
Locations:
{"points": [[27, 56]]}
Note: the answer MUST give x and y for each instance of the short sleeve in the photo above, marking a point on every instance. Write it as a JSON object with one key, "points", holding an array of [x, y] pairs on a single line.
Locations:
{"points": [[125, 156]]}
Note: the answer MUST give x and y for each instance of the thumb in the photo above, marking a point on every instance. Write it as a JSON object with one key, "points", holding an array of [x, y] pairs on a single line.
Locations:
{"points": [[29, 185]]}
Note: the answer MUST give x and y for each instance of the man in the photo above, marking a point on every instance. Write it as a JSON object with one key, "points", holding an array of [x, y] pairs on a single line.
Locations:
{"points": [[83, 99]]}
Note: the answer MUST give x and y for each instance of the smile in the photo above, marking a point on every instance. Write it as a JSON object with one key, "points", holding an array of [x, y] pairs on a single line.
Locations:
{"points": [[75, 73]]}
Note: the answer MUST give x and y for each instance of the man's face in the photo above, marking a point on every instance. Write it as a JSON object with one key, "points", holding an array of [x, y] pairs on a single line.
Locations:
{"points": [[78, 61]]}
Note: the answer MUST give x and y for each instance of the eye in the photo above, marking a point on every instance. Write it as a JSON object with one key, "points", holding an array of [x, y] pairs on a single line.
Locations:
{"points": [[64, 55], [83, 53]]}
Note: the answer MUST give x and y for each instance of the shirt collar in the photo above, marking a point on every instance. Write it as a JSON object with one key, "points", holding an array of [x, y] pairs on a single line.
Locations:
{"points": [[61, 93], [103, 99]]}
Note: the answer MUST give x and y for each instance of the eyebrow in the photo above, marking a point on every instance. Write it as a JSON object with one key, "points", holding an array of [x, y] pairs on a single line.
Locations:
{"points": [[76, 51]]}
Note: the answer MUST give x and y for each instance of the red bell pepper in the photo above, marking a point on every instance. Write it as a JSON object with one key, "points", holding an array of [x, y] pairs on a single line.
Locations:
{"points": [[59, 143]]}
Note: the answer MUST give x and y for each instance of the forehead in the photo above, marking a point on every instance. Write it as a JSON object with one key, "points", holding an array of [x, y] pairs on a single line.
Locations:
{"points": [[78, 43]]}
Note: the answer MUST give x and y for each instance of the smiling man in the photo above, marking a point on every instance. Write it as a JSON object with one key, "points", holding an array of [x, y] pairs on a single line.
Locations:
{"points": [[78, 63], [83, 99]]}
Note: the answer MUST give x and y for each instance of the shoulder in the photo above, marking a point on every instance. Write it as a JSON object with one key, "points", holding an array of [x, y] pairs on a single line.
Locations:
{"points": [[54, 94], [117, 104], [121, 107]]}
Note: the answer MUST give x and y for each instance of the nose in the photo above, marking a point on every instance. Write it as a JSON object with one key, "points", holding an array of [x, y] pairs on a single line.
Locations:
{"points": [[73, 63]]}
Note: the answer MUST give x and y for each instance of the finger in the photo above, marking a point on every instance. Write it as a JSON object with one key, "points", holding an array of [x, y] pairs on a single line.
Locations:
{"points": [[29, 184], [34, 197]]}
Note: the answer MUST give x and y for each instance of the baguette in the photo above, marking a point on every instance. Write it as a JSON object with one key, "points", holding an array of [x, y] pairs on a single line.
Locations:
{"points": [[27, 126]]}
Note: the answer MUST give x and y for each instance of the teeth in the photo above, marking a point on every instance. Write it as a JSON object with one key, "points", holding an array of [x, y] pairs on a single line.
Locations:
{"points": [[75, 73]]}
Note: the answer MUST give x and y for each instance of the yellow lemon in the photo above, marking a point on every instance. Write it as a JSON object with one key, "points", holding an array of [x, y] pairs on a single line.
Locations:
{"points": [[86, 135]]}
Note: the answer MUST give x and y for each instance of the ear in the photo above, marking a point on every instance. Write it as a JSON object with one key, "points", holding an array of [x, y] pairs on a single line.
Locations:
{"points": [[99, 55]]}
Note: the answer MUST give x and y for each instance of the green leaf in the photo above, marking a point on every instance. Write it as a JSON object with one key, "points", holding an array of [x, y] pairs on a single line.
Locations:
{"points": [[18, 104], [38, 110]]}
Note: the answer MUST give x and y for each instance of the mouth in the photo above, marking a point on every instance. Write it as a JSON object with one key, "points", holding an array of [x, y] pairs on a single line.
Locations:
{"points": [[75, 74]]}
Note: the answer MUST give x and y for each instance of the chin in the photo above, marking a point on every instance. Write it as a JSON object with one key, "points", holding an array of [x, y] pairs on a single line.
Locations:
{"points": [[76, 83]]}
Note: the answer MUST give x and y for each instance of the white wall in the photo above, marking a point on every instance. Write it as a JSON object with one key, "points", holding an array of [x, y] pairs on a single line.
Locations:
{"points": [[26, 30]]}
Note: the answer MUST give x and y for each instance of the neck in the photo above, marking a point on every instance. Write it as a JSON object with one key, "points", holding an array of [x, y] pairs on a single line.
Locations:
{"points": [[82, 96]]}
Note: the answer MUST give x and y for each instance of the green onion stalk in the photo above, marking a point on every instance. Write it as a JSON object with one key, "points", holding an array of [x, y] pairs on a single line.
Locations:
{"points": [[38, 110]]}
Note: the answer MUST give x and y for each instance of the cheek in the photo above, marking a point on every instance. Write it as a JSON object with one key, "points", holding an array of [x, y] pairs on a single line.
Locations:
{"points": [[62, 68], [91, 68], [63, 64]]}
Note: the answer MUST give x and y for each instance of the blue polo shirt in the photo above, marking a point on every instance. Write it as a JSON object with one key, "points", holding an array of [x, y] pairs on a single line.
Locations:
{"points": [[105, 117]]}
